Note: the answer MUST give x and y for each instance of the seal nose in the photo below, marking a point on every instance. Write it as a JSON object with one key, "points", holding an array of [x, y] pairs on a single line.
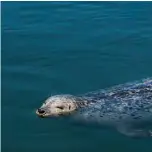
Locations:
{"points": [[41, 111]]}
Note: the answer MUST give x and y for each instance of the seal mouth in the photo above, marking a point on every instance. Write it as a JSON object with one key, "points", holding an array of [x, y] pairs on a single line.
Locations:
{"points": [[45, 115]]}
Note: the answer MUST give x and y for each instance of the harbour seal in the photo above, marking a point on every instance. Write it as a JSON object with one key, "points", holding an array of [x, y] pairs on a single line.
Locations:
{"points": [[126, 107]]}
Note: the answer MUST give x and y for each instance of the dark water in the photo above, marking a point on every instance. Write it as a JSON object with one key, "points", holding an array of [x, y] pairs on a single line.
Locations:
{"points": [[69, 47]]}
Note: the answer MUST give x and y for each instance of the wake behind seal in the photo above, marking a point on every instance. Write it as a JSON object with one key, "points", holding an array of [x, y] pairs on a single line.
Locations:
{"points": [[126, 107]]}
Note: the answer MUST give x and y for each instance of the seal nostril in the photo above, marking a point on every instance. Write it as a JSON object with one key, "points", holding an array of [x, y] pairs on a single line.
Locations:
{"points": [[41, 111]]}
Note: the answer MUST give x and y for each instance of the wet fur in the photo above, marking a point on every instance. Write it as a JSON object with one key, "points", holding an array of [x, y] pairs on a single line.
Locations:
{"points": [[125, 107]]}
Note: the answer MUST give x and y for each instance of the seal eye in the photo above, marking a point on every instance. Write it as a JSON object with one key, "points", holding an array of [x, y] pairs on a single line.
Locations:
{"points": [[60, 107]]}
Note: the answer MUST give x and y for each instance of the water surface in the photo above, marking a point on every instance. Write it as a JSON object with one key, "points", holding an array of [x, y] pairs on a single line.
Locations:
{"points": [[69, 47]]}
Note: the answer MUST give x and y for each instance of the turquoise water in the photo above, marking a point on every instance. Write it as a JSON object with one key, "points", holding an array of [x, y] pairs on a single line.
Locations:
{"points": [[50, 48]]}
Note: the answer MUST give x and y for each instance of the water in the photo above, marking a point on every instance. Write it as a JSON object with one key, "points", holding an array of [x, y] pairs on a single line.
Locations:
{"points": [[69, 47]]}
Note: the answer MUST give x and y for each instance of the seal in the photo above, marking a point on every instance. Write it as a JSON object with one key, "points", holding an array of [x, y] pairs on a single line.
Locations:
{"points": [[126, 107]]}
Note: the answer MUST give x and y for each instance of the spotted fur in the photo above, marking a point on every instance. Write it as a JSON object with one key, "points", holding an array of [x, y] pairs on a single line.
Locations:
{"points": [[125, 106], [130, 102]]}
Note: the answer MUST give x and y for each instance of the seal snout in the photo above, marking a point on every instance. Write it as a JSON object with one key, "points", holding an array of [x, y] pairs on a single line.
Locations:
{"points": [[40, 112]]}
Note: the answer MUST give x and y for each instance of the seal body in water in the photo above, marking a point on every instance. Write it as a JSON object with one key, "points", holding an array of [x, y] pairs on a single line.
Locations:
{"points": [[126, 107]]}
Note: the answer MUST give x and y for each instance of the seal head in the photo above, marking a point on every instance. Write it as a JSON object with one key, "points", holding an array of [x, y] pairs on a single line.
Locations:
{"points": [[60, 105]]}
